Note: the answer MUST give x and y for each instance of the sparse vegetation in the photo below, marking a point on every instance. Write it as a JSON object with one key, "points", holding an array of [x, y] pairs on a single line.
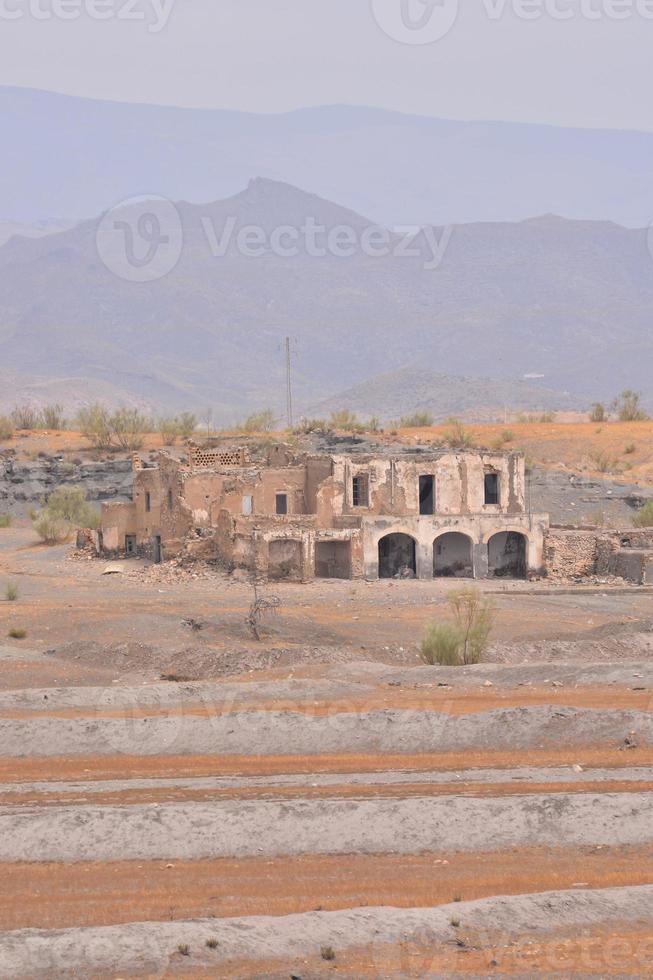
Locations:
{"points": [[536, 418], [52, 417], [455, 922], [129, 425], [212, 943], [327, 953], [6, 428], [187, 424], [25, 417], [263, 421], [418, 420], [11, 592], [630, 449], [602, 463], [346, 420], [65, 510], [17, 633], [306, 426], [94, 423], [644, 516], [169, 429], [183, 949], [123, 429], [457, 436], [464, 641], [598, 412], [628, 407], [5, 520]]}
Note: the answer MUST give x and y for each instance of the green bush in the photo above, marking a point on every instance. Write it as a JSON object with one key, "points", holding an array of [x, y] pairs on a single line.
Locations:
{"points": [[346, 420], [263, 421], [465, 640], [601, 462], [418, 420], [644, 516], [52, 417], [598, 413], [187, 424], [94, 423], [11, 592], [5, 520], [65, 510], [128, 426], [457, 436], [628, 407]]}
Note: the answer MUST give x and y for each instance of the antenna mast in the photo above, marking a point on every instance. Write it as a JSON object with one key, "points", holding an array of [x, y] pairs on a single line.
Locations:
{"points": [[288, 385]]}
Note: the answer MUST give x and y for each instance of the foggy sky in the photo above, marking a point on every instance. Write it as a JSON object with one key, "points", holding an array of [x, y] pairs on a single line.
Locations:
{"points": [[277, 55]]}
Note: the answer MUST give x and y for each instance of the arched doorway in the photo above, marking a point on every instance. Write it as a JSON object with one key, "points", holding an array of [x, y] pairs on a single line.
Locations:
{"points": [[507, 555], [452, 556], [397, 556]]}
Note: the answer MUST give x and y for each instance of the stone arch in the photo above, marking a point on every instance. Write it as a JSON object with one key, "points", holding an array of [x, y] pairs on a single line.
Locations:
{"points": [[453, 555], [508, 554], [397, 556]]}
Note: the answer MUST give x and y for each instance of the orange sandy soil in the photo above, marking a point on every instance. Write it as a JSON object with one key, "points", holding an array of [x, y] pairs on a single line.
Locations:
{"points": [[86, 768], [391, 791], [626, 952], [56, 896], [449, 702]]}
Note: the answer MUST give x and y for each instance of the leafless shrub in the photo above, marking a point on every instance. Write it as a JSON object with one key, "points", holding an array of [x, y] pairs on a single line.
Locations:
{"points": [[6, 428], [260, 607], [628, 406], [26, 417], [52, 417], [457, 436]]}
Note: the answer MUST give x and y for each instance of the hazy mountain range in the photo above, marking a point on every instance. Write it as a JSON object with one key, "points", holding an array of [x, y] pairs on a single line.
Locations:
{"points": [[566, 303], [71, 158]]}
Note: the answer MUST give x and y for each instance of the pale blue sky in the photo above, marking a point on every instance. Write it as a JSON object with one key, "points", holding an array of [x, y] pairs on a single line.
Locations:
{"points": [[275, 55]]}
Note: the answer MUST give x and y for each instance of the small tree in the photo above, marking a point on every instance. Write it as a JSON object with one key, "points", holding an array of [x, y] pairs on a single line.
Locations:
{"points": [[187, 424], [628, 407], [598, 412], [417, 420], [129, 425], [65, 510], [170, 430], [345, 419], [94, 422], [259, 422]]}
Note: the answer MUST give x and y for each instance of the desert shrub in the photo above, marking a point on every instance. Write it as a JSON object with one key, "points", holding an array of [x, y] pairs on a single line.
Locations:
{"points": [[128, 425], [170, 429], [504, 437], [598, 412], [346, 420], [51, 529], [630, 449], [65, 510], [11, 592], [212, 943], [603, 463], [6, 428], [644, 516], [5, 520], [457, 436], [327, 953], [26, 417], [183, 949], [52, 417], [17, 633], [306, 426], [187, 424], [418, 420], [94, 422], [441, 645], [628, 407], [534, 418], [464, 641], [262, 421], [374, 424]]}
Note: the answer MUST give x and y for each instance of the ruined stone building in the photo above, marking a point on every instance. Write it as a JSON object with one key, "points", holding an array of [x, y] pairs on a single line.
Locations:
{"points": [[446, 513]]}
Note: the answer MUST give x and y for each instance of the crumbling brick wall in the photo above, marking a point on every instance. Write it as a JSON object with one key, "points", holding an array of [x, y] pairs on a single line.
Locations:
{"points": [[570, 553]]}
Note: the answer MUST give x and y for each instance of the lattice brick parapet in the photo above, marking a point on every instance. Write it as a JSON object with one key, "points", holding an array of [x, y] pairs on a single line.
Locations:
{"points": [[209, 459]]}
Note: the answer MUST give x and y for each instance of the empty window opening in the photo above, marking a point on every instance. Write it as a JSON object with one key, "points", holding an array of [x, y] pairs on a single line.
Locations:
{"points": [[333, 559], [360, 490], [452, 556], [157, 551], [248, 505], [282, 503], [170, 501], [148, 501], [397, 557], [491, 488], [426, 495], [130, 544]]}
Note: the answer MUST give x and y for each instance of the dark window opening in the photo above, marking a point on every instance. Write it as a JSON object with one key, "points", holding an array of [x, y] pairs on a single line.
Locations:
{"points": [[359, 491], [169, 499], [130, 544], [148, 502], [491, 488], [426, 495], [282, 503]]}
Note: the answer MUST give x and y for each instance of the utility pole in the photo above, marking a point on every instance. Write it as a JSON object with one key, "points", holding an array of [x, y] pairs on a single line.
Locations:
{"points": [[288, 385]]}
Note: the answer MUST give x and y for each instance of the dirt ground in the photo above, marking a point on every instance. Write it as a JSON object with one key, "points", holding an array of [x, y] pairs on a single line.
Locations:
{"points": [[321, 792]]}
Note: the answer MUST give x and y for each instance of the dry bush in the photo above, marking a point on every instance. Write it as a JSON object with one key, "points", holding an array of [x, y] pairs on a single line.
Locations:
{"points": [[263, 421], [51, 529], [128, 426], [94, 423], [457, 436], [187, 424], [628, 407], [598, 412], [5, 520], [418, 420], [17, 633], [11, 592], [6, 428], [644, 516], [346, 420], [327, 953], [52, 417], [26, 417], [66, 510], [602, 463], [170, 429]]}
